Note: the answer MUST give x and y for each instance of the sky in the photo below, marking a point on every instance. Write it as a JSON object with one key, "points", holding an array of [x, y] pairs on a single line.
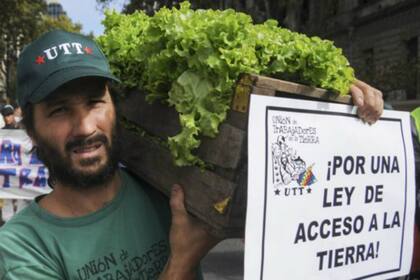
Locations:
{"points": [[87, 13]]}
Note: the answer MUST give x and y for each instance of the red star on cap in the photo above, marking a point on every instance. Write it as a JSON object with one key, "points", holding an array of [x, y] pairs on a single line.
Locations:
{"points": [[40, 59], [88, 50]]}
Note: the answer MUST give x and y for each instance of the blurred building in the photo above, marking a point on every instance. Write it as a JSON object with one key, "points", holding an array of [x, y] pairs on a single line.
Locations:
{"points": [[55, 9], [379, 37]]}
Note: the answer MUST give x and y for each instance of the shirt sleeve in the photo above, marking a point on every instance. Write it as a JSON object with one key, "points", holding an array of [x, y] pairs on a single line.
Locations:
{"points": [[17, 262], [29, 272]]}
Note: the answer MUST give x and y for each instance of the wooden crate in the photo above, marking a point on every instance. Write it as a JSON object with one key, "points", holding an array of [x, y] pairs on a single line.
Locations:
{"points": [[218, 196]]}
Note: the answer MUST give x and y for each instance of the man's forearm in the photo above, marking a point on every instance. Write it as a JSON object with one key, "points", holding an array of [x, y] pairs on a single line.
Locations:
{"points": [[175, 270]]}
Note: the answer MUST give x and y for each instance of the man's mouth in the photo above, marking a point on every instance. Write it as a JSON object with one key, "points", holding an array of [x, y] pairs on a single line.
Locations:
{"points": [[87, 149]]}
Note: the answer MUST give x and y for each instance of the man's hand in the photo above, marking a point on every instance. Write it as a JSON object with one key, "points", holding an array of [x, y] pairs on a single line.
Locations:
{"points": [[368, 100], [189, 241]]}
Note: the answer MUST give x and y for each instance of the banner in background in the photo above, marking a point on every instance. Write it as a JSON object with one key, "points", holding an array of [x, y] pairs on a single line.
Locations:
{"points": [[22, 175], [332, 197]]}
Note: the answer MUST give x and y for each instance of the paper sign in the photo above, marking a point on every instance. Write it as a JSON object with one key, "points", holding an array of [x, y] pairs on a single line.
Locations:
{"points": [[332, 197], [22, 175]]}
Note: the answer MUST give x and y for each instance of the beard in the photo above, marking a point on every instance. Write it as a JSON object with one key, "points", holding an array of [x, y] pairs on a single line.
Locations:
{"points": [[61, 169]]}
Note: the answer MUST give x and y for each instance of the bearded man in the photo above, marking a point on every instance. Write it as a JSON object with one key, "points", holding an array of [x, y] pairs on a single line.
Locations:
{"points": [[98, 222]]}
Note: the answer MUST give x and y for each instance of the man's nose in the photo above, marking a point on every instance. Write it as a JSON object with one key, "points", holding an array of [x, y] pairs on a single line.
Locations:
{"points": [[83, 123]]}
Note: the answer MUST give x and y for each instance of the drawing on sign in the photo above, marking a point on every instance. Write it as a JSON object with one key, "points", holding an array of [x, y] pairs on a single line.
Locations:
{"points": [[288, 166]]}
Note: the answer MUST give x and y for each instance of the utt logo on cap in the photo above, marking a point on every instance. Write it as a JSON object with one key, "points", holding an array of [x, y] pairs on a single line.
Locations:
{"points": [[63, 49]]}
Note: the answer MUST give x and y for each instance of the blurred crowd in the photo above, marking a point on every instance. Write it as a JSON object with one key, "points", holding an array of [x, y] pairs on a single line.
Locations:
{"points": [[11, 117]]}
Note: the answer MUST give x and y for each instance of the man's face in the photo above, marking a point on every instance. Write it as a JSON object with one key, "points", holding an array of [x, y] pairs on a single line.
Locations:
{"points": [[74, 131]]}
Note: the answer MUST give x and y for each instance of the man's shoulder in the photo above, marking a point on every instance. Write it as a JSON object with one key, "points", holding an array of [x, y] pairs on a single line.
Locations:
{"points": [[147, 196], [21, 257], [18, 240], [19, 224], [138, 183]]}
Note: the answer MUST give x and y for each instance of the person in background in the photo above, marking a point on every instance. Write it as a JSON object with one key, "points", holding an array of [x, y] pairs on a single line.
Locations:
{"points": [[18, 114], [8, 113], [1, 118]]}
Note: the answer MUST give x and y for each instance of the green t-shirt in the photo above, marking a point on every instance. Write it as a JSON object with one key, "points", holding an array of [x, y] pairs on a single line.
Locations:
{"points": [[127, 239]]}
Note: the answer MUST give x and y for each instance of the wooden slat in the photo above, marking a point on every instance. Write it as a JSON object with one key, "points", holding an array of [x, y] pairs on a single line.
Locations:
{"points": [[239, 199], [203, 189], [157, 119], [262, 85], [289, 87], [241, 94], [237, 119], [225, 149], [162, 121]]}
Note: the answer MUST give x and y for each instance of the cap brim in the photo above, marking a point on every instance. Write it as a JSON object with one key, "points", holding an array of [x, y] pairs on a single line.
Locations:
{"points": [[63, 76]]}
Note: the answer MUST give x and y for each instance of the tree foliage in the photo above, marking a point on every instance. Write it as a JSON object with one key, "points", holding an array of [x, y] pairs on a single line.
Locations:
{"points": [[18, 26], [63, 22], [21, 21]]}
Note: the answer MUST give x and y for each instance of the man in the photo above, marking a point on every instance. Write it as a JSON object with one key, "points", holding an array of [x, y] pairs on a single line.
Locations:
{"points": [[8, 113], [18, 114], [98, 222]]}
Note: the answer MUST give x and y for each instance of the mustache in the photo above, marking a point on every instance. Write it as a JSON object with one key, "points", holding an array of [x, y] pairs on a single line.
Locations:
{"points": [[85, 141]]}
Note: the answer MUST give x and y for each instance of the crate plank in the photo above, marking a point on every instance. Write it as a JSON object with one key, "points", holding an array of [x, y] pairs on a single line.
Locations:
{"points": [[159, 120], [262, 85], [203, 189], [290, 87], [225, 149]]}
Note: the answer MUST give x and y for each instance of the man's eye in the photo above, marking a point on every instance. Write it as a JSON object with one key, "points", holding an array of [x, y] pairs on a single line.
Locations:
{"points": [[94, 102], [56, 111]]}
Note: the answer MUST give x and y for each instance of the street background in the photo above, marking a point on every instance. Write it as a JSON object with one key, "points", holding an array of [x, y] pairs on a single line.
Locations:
{"points": [[225, 261]]}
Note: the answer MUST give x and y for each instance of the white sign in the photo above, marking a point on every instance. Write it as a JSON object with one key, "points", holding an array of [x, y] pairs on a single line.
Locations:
{"points": [[22, 175], [329, 197]]}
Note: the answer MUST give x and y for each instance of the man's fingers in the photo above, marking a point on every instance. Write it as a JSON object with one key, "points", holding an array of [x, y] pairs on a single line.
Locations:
{"points": [[380, 104], [368, 100], [357, 95], [177, 201], [373, 105], [368, 108]]}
